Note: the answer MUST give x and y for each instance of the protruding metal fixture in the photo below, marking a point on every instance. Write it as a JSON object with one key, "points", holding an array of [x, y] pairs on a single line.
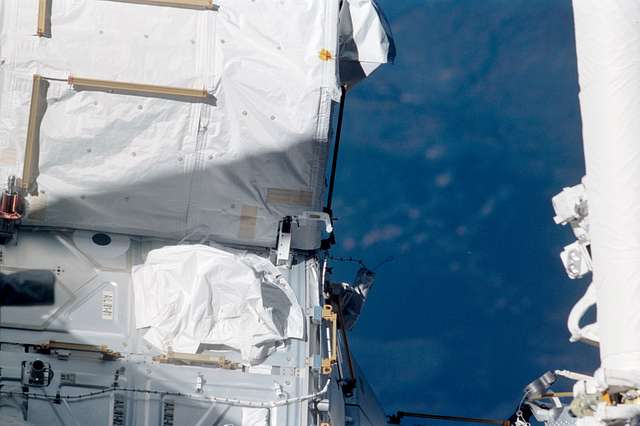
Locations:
{"points": [[283, 245], [576, 260], [538, 387], [11, 210], [11, 202], [332, 318], [36, 373]]}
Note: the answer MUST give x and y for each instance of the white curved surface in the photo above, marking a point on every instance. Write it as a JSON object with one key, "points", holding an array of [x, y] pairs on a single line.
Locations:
{"points": [[608, 47]]}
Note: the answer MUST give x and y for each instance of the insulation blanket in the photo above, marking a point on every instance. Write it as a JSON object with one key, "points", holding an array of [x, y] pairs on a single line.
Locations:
{"points": [[238, 162], [146, 163], [608, 48], [195, 294]]}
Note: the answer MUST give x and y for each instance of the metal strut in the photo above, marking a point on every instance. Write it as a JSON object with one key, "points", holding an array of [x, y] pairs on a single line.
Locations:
{"points": [[331, 240], [348, 385]]}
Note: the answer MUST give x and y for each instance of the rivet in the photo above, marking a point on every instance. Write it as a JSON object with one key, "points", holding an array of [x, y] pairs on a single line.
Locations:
{"points": [[146, 36], [139, 106], [273, 117], [245, 113], [133, 154], [88, 149]]}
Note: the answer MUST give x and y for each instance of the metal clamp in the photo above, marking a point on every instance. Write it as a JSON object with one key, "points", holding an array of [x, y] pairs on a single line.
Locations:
{"points": [[329, 315]]}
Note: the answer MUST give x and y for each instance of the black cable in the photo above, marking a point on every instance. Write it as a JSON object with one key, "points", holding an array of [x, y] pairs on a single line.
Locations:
{"points": [[336, 149], [90, 395], [348, 259], [396, 418]]}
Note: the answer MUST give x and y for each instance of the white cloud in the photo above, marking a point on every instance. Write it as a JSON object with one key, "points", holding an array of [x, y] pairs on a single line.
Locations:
{"points": [[420, 237], [444, 179], [488, 207], [376, 235], [414, 213], [434, 152], [348, 244]]}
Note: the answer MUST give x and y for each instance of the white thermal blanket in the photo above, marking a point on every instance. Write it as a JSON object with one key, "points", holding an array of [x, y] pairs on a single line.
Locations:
{"points": [[193, 294]]}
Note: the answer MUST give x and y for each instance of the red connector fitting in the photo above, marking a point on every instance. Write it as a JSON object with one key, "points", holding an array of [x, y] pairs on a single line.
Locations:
{"points": [[11, 206]]}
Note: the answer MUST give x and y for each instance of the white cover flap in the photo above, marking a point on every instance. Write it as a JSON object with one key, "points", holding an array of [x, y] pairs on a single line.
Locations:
{"points": [[365, 40]]}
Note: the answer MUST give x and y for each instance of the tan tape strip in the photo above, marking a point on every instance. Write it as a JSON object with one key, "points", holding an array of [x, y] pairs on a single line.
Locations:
{"points": [[37, 109], [187, 4], [44, 18], [288, 196], [248, 222], [136, 88]]}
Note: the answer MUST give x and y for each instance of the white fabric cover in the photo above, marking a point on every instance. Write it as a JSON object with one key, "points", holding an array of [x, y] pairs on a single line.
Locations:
{"points": [[151, 166], [195, 294], [608, 47], [365, 40]]}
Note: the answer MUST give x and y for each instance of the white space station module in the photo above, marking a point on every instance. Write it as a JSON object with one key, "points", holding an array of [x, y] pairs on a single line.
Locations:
{"points": [[164, 228], [603, 213]]}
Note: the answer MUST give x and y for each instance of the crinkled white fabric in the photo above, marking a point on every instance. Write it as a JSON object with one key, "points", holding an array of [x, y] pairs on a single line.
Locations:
{"points": [[194, 294], [365, 40], [608, 48], [150, 166]]}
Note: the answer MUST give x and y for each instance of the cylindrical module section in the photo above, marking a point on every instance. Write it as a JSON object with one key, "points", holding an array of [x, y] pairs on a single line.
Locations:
{"points": [[608, 51]]}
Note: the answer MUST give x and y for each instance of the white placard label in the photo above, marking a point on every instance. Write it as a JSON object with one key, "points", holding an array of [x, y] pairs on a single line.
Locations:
{"points": [[107, 305]]}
